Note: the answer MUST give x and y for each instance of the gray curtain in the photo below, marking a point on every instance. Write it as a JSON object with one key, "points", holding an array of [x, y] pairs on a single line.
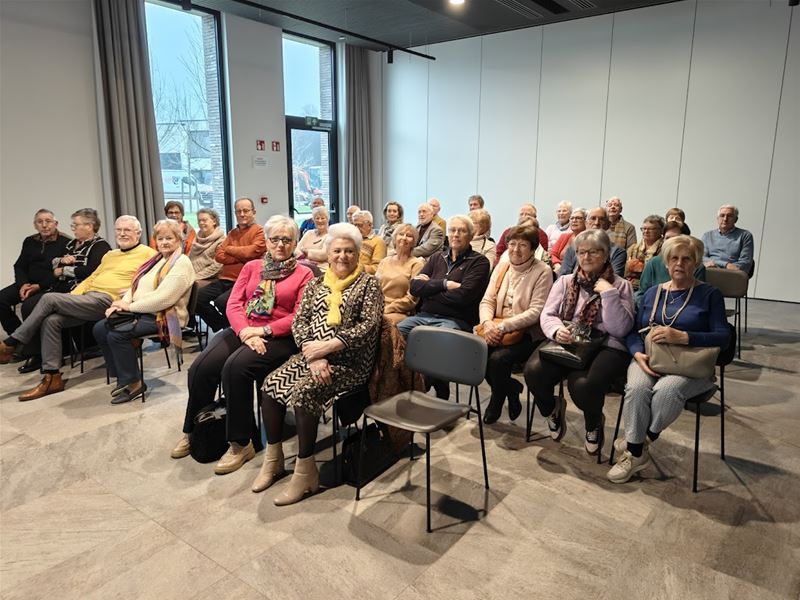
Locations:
{"points": [[132, 140], [358, 165]]}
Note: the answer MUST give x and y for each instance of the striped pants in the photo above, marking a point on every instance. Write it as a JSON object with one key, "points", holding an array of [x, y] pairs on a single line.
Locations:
{"points": [[654, 403]]}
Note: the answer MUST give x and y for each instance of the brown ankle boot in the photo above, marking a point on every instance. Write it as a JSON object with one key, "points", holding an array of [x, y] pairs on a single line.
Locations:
{"points": [[305, 481], [6, 352], [51, 384]]}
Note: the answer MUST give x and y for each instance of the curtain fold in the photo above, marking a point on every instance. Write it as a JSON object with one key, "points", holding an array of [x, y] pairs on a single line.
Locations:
{"points": [[358, 164], [134, 163]]}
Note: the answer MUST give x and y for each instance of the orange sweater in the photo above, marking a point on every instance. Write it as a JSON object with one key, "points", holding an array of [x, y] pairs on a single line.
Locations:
{"points": [[241, 245]]}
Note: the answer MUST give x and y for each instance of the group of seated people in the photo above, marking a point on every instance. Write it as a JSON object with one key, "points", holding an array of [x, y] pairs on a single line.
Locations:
{"points": [[300, 317]]}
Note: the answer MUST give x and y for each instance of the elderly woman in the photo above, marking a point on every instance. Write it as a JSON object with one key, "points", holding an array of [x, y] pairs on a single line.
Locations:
{"points": [[204, 249], [174, 210], [373, 248], [311, 247], [681, 311], [555, 230], [393, 216], [396, 272], [577, 224], [591, 300], [513, 302], [263, 303], [336, 329], [481, 243], [159, 295], [641, 252]]}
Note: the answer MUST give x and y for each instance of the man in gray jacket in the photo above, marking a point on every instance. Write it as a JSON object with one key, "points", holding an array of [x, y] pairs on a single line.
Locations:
{"points": [[431, 236]]}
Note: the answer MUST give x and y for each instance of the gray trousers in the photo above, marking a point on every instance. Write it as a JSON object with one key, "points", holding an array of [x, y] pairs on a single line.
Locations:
{"points": [[52, 314], [655, 403]]}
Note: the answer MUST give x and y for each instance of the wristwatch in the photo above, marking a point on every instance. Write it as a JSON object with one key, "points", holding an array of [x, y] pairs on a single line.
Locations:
{"points": [[267, 330], [501, 329]]}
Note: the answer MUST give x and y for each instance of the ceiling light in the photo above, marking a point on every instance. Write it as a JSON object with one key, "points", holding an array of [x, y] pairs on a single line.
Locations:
{"points": [[456, 1]]}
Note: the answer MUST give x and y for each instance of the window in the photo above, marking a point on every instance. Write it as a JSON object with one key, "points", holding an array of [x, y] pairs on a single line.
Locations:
{"points": [[185, 73], [308, 67]]}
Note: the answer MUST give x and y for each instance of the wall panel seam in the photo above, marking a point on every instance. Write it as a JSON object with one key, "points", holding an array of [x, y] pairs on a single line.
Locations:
{"points": [[686, 103], [605, 121]]}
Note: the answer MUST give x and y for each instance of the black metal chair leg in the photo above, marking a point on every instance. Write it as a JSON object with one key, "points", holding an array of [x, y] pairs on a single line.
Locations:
{"points": [[469, 414], [696, 447], [411, 448], [361, 457], [722, 412], [335, 438], [166, 353], [83, 347], [530, 410], [427, 478], [616, 429], [483, 444]]}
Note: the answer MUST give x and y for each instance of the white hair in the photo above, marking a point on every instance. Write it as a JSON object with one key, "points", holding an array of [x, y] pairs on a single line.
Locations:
{"points": [[281, 222], [465, 220], [132, 219], [363, 214], [343, 231], [319, 209]]}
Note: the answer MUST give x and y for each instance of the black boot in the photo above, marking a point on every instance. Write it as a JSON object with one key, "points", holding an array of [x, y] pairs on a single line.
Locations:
{"points": [[495, 407], [514, 405]]}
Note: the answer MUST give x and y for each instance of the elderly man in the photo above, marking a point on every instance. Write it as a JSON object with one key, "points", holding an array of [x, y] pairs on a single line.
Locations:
{"points": [[351, 210], [437, 207], [450, 287], [526, 212], [431, 238], [308, 224], [728, 247], [33, 270], [244, 243], [174, 210], [596, 219], [373, 248], [475, 202], [87, 302], [622, 233]]}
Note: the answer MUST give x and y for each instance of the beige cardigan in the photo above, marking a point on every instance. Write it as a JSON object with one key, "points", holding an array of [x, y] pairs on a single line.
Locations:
{"points": [[174, 290], [529, 299]]}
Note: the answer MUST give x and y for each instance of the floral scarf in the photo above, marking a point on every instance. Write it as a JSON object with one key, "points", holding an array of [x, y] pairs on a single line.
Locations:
{"points": [[262, 300], [337, 286], [586, 282], [169, 328]]}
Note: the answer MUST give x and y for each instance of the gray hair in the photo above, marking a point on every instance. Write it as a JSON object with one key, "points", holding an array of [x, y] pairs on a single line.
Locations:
{"points": [[174, 227], [363, 214], [132, 219], [281, 222], [343, 231], [655, 220], [477, 197], [43, 211], [405, 227], [319, 209], [595, 238], [464, 219], [683, 241], [566, 204], [250, 200], [583, 211], [211, 213], [735, 210], [90, 215]]}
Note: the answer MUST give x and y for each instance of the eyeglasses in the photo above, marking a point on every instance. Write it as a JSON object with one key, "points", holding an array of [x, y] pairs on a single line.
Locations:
{"points": [[74, 226], [646, 229], [577, 218], [244, 211], [594, 252], [280, 240], [125, 231], [458, 230]]}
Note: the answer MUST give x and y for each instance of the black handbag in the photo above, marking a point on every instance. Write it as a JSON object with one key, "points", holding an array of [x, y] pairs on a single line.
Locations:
{"points": [[378, 454], [122, 320], [207, 441], [574, 356]]}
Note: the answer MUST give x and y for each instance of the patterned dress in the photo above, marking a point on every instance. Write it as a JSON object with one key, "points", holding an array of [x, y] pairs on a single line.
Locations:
{"points": [[362, 312]]}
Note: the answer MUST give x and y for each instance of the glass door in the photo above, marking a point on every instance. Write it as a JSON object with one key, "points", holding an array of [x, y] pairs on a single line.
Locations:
{"points": [[312, 166]]}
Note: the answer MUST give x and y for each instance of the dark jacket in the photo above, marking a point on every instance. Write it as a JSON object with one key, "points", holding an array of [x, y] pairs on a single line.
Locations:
{"points": [[471, 269], [35, 262], [87, 259]]}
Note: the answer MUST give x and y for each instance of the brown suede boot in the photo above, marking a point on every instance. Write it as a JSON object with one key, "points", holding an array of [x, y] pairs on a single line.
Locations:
{"points": [[51, 384], [305, 481], [6, 352]]}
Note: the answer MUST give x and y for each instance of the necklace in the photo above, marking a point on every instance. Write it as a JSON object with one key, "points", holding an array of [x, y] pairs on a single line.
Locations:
{"points": [[668, 320], [676, 297]]}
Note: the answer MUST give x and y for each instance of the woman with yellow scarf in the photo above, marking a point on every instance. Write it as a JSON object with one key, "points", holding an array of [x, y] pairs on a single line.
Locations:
{"points": [[336, 329]]}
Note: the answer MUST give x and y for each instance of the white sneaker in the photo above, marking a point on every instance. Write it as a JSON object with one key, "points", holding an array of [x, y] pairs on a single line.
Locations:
{"points": [[627, 465], [620, 445]]}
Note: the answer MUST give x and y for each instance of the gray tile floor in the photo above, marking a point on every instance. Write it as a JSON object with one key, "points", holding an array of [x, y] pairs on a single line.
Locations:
{"points": [[93, 507]]}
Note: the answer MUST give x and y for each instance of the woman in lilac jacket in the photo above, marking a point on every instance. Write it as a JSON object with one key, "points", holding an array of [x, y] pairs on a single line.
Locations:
{"points": [[591, 299]]}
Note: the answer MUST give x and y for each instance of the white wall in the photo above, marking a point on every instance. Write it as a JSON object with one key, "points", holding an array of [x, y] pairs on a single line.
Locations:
{"points": [[49, 151], [254, 53], [669, 105]]}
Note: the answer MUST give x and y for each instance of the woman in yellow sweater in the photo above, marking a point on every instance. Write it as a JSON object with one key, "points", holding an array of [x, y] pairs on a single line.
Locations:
{"points": [[158, 297], [395, 273]]}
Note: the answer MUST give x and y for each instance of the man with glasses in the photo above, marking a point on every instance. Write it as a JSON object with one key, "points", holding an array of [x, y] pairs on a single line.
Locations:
{"points": [[244, 243], [728, 247], [87, 302], [33, 271], [622, 233], [450, 287], [597, 218]]}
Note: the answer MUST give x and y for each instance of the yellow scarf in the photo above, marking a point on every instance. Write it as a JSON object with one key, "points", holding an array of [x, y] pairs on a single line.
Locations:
{"points": [[337, 286]]}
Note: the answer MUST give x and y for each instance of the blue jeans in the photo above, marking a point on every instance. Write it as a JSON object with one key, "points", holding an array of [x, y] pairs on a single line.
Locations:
{"points": [[406, 325]]}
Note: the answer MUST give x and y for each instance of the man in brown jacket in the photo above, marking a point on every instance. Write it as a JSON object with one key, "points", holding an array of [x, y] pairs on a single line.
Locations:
{"points": [[244, 243]]}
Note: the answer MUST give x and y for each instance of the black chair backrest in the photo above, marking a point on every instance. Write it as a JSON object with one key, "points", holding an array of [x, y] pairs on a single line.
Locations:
{"points": [[726, 355], [447, 354], [192, 304]]}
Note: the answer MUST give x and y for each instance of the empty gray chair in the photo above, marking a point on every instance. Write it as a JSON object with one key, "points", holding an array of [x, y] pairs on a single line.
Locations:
{"points": [[445, 354], [732, 284]]}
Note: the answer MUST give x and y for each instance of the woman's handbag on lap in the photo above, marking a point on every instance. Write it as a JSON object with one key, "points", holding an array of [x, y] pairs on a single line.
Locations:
{"points": [[574, 356]]}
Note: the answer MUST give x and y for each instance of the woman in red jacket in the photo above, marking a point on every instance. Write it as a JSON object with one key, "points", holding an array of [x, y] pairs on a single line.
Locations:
{"points": [[262, 304]]}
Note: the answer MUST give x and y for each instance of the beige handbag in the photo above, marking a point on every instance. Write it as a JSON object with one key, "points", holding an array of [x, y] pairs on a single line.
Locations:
{"points": [[674, 359]]}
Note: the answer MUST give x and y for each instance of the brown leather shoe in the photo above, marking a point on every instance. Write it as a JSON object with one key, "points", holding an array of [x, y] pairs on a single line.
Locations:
{"points": [[51, 384], [6, 352]]}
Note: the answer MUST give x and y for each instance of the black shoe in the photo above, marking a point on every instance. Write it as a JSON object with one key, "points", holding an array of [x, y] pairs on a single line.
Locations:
{"points": [[126, 396], [34, 363], [514, 405], [493, 410], [595, 438], [117, 390]]}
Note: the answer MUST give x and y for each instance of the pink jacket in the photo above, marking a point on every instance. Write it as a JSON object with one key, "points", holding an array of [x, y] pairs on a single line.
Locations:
{"points": [[288, 293]]}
